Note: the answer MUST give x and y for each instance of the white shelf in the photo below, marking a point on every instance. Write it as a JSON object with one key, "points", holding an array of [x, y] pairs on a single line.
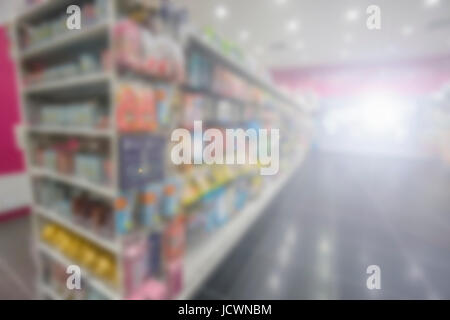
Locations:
{"points": [[68, 131], [106, 192], [33, 11], [84, 79], [201, 260], [237, 65], [96, 283], [109, 245], [66, 39]]}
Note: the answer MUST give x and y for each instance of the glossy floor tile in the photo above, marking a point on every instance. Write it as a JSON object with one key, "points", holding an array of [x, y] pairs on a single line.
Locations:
{"points": [[339, 214]]}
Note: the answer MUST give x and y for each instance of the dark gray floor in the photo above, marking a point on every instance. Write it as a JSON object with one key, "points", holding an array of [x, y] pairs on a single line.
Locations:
{"points": [[17, 268], [337, 215]]}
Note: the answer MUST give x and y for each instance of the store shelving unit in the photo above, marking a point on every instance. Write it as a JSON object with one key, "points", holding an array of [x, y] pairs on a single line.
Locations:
{"points": [[226, 238], [85, 233], [199, 261], [240, 68], [93, 133], [72, 38], [101, 29]]}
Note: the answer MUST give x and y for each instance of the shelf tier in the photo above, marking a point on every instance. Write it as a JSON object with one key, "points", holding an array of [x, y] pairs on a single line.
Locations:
{"points": [[95, 282], [67, 39], [106, 192], [41, 8], [68, 131], [107, 244], [91, 79]]}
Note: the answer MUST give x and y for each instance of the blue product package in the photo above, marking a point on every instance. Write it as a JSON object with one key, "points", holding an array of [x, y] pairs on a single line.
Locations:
{"points": [[155, 253], [241, 195], [171, 202], [221, 208], [96, 168], [150, 211], [124, 221], [211, 209], [163, 106]]}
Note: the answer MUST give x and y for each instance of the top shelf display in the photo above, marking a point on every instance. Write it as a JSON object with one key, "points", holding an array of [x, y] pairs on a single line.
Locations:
{"points": [[206, 46], [41, 10]]}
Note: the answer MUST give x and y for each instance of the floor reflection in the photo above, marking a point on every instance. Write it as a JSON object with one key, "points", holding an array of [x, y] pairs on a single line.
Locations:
{"points": [[338, 215]]}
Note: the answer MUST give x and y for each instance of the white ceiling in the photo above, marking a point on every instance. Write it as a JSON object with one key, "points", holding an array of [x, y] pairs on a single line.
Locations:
{"points": [[324, 35]]}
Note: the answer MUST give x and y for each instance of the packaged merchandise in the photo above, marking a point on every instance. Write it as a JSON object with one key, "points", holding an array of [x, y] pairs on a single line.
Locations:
{"points": [[151, 290], [174, 277], [155, 250], [135, 264], [174, 239], [150, 205]]}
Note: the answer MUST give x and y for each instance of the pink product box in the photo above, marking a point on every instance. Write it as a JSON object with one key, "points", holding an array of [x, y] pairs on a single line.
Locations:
{"points": [[151, 290], [174, 277], [135, 266]]}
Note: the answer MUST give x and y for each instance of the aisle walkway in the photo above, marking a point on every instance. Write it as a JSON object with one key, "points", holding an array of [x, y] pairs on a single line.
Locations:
{"points": [[338, 215]]}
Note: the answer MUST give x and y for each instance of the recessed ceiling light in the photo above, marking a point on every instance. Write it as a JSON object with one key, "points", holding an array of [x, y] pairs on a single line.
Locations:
{"points": [[244, 35], [407, 30], [348, 38], [292, 25], [431, 3], [280, 2], [221, 12], [352, 15]]}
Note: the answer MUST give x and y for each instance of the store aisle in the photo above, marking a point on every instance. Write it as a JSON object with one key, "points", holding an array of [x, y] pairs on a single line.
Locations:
{"points": [[338, 215]]}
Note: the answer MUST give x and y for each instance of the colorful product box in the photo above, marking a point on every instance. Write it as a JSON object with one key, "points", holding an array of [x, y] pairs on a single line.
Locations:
{"points": [[135, 265], [174, 239], [174, 277], [150, 200], [123, 215]]}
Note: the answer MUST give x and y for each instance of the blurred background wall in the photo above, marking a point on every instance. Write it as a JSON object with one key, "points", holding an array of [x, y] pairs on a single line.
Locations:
{"points": [[14, 190]]}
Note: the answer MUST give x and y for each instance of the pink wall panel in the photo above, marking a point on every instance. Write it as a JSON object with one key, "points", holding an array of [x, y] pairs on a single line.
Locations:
{"points": [[415, 77], [11, 159]]}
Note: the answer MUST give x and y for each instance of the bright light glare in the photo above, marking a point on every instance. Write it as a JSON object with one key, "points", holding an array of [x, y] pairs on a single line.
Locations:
{"points": [[221, 12], [292, 26], [371, 117], [352, 15], [384, 116], [431, 3]]}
